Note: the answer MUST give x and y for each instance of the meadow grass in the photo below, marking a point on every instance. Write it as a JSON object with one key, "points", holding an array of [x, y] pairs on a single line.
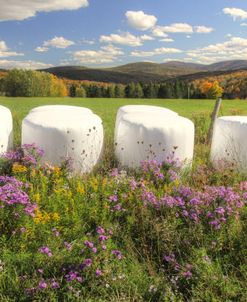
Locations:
{"points": [[154, 234], [107, 108]]}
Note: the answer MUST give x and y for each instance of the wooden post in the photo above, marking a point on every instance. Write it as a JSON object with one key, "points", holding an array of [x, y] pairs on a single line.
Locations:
{"points": [[213, 119]]}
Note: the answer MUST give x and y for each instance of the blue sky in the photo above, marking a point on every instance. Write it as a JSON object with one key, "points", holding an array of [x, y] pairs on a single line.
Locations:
{"points": [[97, 33]]}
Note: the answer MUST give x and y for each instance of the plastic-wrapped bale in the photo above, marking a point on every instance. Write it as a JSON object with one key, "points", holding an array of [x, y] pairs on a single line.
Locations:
{"points": [[6, 129], [142, 109], [229, 141], [63, 108], [144, 137], [152, 110], [77, 135]]}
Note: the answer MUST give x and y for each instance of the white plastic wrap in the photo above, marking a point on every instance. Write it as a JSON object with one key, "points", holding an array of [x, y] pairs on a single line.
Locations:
{"points": [[77, 135], [230, 141], [6, 130], [142, 109], [63, 108], [141, 136]]}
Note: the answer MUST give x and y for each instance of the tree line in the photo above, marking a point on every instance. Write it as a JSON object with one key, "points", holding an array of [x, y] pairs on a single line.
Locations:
{"points": [[29, 83], [168, 90]]}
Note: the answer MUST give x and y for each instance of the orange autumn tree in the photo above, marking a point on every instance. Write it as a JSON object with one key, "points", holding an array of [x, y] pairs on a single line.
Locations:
{"points": [[211, 90]]}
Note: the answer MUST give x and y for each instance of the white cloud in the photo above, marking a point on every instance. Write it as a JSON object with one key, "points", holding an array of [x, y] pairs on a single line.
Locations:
{"points": [[158, 31], [4, 51], [155, 52], [139, 20], [174, 28], [235, 48], [58, 42], [243, 24], [9, 64], [125, 39], [23, 9], [106, 54], [203, 29], [162, 31], [235, 13], [41, 49], [167, 40]]}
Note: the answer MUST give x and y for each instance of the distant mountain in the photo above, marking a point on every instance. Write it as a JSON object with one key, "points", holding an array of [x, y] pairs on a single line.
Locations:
{"points": [[228, 65], [146, 71]]}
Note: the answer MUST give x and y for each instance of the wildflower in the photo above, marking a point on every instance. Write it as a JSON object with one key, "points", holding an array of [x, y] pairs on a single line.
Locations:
{"points": [[68, 246], [94, 250], [220, 210], [54, 284], [117, 207], [89, 244], [19, 168], [113, 198], [23, 230], [169, 258], [114, 173], [100, 230], [31, 291], [87, 262], [215, 223], [73, 275], [55, 232], [42, 285], [56, 216], [117, 253], [133, 184], [187, 274], [98, 272], [102, 238], [45, 250]]}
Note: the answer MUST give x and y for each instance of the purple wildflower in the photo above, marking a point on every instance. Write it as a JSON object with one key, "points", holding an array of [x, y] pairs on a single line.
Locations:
{"points": [[98, 272], [45, 250], [100, 230], [42, 285], [117, 253], [113, 198], [68, 246]]}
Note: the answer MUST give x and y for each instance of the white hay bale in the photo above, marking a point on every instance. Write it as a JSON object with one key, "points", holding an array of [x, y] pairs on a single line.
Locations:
{"points": [[143, 136], [61, 108], [65, 134], [230, 141], [142, 109], [6, 129]]}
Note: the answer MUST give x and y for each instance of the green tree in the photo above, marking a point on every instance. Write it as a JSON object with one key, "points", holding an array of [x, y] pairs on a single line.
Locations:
{"points": [[80, 92], [138, 92], [119, 91], [111, 91]]}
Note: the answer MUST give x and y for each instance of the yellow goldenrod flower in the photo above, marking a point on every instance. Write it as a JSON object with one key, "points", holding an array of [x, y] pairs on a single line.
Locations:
{"points": [[19, 168], [80, 189]]}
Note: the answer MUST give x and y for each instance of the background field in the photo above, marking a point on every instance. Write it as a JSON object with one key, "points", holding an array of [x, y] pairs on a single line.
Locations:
{"points": [[107, 108]]}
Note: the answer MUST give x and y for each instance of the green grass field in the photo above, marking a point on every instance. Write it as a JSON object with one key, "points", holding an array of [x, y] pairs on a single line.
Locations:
{"points": [[157, 234], [107, 108]]}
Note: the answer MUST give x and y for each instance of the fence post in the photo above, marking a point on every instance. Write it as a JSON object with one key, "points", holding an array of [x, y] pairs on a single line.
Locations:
{"points": [[213, 119]]}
